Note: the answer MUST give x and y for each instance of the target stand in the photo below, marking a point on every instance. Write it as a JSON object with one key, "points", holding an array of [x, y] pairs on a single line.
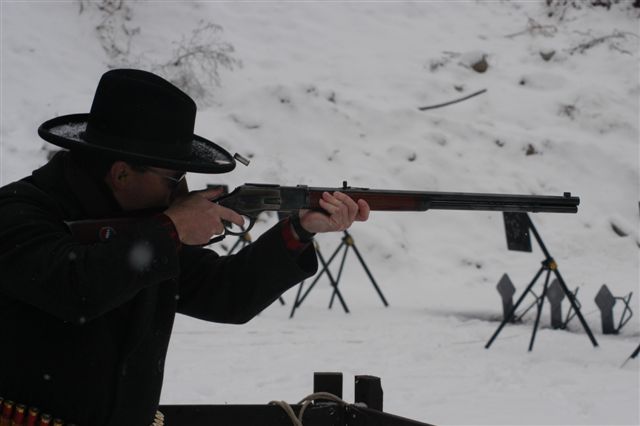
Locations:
{"points": [[347, 244], [518, 227]]}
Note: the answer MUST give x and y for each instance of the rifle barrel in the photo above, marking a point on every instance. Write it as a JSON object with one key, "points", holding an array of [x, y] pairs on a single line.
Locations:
{"points": [[385, 200]]}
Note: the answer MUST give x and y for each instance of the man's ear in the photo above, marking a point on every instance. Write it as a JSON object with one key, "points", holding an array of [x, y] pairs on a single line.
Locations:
{"points": [[119, 174]]}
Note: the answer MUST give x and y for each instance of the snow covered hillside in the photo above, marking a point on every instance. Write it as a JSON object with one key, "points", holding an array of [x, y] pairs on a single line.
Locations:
{"points": [[321, 92]]}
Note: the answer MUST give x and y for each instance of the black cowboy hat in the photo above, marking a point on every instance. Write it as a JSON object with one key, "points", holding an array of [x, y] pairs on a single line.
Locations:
{"points": [[139, 116]]}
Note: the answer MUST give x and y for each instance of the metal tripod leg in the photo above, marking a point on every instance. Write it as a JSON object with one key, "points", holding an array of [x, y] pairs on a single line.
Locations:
{"points": [[237, 243], [366, 269], [540, 303], [334, 282], [575, 306], [325, 269], [554, 267], [511, 313], [296, 301], [348, 240], [335, 288], [550, 265]]}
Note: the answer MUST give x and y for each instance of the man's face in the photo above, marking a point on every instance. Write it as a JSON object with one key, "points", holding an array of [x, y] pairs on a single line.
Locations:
{"points": [[149, 187]]}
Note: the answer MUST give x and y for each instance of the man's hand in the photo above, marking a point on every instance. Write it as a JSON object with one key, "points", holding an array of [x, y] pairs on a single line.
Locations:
{"points": [[197, 219], [341, 212]]}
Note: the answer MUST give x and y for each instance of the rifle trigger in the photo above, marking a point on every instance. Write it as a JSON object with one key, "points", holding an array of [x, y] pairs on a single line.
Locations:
{"points": [[215, 240]]}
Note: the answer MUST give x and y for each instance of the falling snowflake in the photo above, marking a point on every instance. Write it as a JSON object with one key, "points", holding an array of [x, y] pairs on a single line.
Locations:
{"points": [[140, 256]]}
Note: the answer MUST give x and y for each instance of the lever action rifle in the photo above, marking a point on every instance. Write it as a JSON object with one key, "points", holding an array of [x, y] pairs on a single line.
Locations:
{"points": [[251, 199]]}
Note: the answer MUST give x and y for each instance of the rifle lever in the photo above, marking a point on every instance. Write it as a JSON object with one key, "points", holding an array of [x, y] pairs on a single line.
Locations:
{"points": [[228, 231]]}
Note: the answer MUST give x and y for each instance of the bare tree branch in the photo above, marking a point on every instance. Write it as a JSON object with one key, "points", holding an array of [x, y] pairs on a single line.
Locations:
{"points": [[424, 108]]}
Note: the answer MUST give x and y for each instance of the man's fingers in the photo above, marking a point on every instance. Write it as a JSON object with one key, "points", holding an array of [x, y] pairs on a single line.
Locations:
{"points": [[337, 214], [327, 204], [222, 212], [331, 198], [339, 200], [340, 211], [229, 215], [363, 211], [349, 206], [343, 211]]}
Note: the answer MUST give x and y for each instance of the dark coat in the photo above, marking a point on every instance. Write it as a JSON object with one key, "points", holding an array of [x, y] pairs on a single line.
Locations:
{"points": [[83, 332]]}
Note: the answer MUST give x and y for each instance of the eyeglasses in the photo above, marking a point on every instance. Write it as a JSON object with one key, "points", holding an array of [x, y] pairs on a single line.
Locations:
{"points": [[174, 181]]}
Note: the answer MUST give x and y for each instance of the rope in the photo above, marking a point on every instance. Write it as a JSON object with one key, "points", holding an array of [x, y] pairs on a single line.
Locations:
{"points": [[305, 402], [287, 409]]}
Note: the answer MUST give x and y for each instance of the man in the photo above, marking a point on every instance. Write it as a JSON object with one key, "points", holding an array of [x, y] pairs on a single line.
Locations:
{"points": [[86, 324]]}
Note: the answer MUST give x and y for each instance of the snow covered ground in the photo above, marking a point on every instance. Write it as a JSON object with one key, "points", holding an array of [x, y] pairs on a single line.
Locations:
{"points": [[329, 91]]}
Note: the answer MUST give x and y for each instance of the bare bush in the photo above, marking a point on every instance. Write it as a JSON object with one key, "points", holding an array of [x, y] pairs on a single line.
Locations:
{"points": [[196, 61], [560, 8], [194, 64], [615, 41], [114, 31], [535, 28]]}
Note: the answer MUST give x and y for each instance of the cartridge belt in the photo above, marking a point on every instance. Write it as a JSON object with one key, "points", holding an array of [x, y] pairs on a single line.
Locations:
{"points": [[20, 414], [158, 420]]}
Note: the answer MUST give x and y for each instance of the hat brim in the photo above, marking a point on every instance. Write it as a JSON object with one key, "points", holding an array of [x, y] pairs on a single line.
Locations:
{"points": [[68, 131]]}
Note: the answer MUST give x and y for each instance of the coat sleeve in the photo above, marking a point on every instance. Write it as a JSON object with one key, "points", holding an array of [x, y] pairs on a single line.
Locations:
{"points": [[42, 265], [234, 289]]}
